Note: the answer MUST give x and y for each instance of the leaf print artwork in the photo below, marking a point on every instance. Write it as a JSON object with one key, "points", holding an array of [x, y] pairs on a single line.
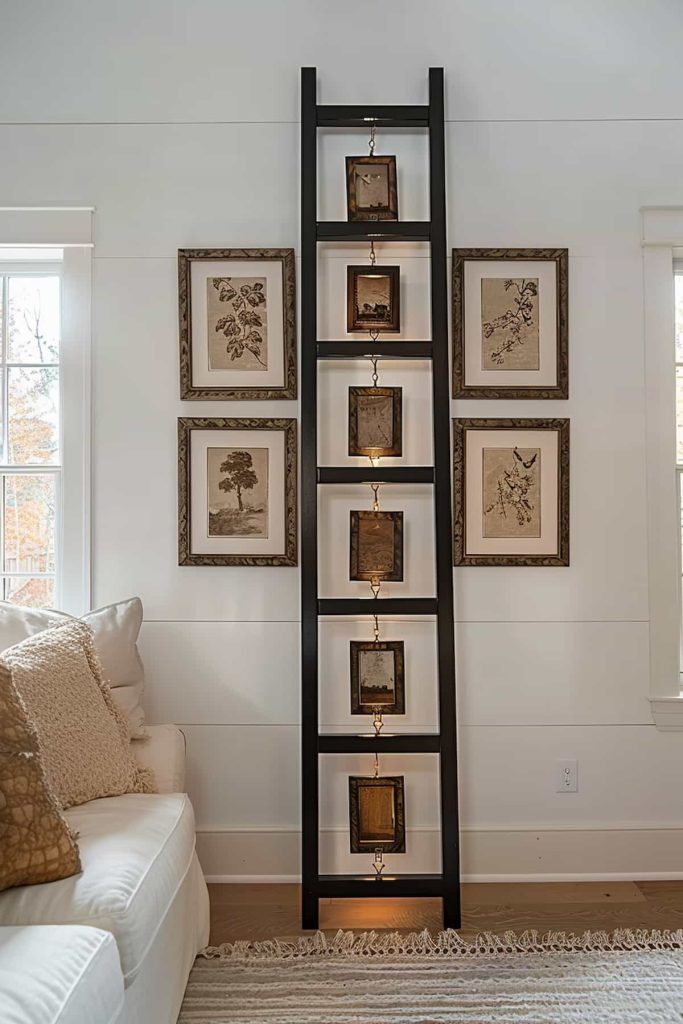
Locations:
{"points": [[509, 323], [511, 492], [237, 323]]}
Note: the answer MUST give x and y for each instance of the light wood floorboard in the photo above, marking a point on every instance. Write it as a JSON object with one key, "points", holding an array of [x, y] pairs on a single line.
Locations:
{"points": [[256, 912]]}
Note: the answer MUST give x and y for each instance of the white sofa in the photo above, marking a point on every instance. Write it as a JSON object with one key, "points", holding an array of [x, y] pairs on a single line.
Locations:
{"points": [[115, 943]]}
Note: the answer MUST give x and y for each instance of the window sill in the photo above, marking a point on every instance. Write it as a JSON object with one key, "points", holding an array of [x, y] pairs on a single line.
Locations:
{"points": [[667, 713]]}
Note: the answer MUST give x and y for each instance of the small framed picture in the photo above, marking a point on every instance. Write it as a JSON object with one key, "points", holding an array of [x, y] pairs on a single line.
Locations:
{"points": [[376, 546], [377, 814], [373, 299], [375, 421], [511, 492], [377, 677], [237, 492], [237, 311], [510, 323], [371, 188]]}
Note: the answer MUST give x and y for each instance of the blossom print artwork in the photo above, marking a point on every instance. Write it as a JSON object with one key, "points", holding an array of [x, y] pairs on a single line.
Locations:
{"points": [[511, 493], [237, 323], [509, 323]]}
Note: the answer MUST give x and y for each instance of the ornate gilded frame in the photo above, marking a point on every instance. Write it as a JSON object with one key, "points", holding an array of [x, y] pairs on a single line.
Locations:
{"points": [[398, 844], [252, 394], [460, 428], [185, 427], [561, 389]]}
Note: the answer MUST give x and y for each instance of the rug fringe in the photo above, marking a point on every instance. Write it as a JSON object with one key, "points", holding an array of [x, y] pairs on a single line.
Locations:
{"points": [[444, 944]]}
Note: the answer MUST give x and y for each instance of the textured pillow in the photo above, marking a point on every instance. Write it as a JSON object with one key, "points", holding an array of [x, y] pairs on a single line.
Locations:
{"points": [[83, 736], [116, 628], [36, 843]]}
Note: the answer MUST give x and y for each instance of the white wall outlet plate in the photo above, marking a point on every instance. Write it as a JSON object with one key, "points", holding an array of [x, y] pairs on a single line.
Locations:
{"points": [[566, 776]]}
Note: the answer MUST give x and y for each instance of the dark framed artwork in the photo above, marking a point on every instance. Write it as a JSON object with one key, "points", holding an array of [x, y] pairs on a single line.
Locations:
{"points": [[237, 492], [376, 549], [373, 298], [371, 192], [377, 814], [510, 323], [511, 492], [378, 677], [375, 421], [237, 318]]}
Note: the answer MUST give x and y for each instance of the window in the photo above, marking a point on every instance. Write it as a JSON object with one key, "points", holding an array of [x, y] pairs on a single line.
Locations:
{"points": [[31, 452]]}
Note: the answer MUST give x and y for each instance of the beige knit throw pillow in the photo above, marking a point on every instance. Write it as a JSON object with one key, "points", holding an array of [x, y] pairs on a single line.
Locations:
{"points": [[36, 843], [82, 734]]}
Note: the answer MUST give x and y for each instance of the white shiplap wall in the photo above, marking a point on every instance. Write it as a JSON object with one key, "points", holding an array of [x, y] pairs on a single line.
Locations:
{"points": [[178, 122]]}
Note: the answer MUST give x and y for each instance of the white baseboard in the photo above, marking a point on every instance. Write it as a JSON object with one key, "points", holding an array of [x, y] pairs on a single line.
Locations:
{"points": [[652, 876], [554, 854]]}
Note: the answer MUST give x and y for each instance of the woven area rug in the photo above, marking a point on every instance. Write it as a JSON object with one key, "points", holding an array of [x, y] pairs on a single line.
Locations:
{"points": [[597, 978]]}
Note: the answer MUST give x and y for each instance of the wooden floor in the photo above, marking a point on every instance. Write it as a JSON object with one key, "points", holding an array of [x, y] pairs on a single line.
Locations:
{"points": [[270, 911]]}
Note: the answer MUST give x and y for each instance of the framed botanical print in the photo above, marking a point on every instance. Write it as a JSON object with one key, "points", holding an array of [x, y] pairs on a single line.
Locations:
{"points": [[237, 311], [511, 492], [375, 421], [377, 677], [510, 323], [371, 188], [376, 546], [237, 492], [373, 298], [377, 814]]}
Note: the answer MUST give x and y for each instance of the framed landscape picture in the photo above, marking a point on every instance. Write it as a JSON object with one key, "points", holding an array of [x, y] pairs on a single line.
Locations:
{"points": [[375, 421], [510, 323], [377, 814], [376, 546], [371, 188], [511, 492], [373, 298], [377, 677], [237, 310], [237, 492]]}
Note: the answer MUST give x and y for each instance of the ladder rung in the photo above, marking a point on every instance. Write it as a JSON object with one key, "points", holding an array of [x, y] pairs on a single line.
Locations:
{"points": [[376, 230], [371, 475], [380, 606], [399, 743], [353, 886], [350, 116], [381, 349]]}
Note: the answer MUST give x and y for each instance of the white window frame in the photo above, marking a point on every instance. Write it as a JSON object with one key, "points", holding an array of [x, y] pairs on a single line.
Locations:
{"points": [[69, 229], [662, 241]]}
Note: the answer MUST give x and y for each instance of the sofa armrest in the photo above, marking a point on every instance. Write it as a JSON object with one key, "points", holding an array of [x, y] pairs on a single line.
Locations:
{"points": [[164, 752]]}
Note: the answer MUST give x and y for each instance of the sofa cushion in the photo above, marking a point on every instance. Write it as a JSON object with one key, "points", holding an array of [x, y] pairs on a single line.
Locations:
{"points": [[83, 735], [51, 975], [115, 627], [135, 852], [36, 844]]}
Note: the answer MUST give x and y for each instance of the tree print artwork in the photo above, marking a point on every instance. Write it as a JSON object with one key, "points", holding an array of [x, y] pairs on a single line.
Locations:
{"points": [[509, 323], [237, 323], [238, 492], [511, 493]]}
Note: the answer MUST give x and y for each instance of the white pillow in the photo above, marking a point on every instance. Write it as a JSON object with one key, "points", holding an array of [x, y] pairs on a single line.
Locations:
{"points": [[115, 627]]}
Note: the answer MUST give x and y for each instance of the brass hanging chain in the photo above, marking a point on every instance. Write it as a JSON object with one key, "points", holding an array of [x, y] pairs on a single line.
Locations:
{"points": [[377, 720], [375, 628], [375, 586], [375, 501], [375, 375], [373, 255], [376, 765], [371, 143]]}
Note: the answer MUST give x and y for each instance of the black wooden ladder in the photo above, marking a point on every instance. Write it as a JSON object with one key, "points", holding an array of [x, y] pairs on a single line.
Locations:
{"points": [[447, 884]]}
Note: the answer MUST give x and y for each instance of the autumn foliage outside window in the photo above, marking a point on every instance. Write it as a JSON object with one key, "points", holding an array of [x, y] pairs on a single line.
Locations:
{"points": [[30, 460]]}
